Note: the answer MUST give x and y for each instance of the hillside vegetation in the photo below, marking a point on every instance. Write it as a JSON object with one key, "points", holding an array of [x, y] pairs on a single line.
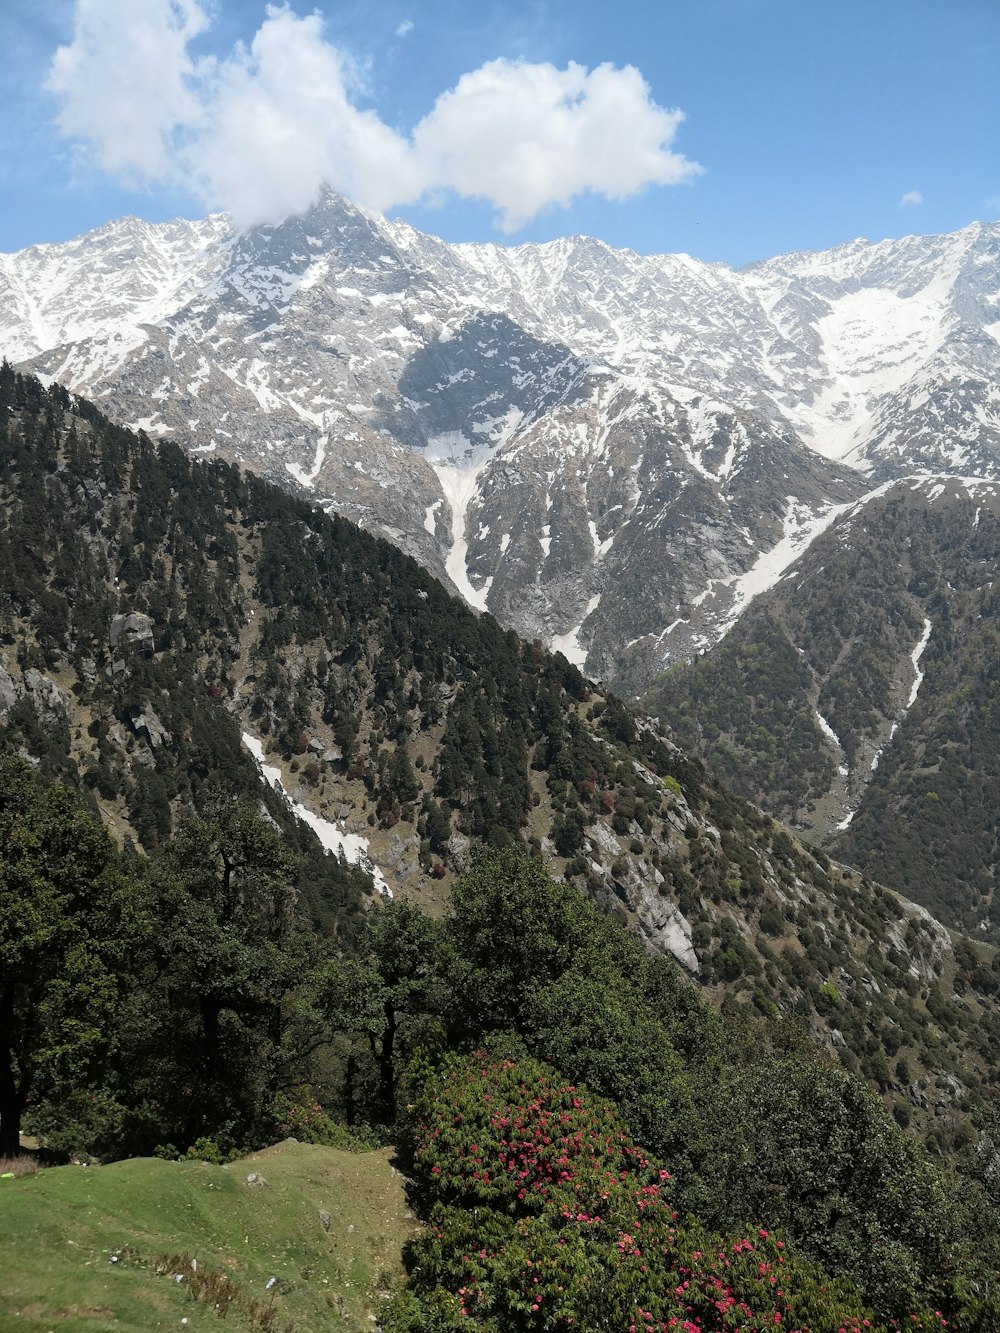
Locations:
{"points": [[426, 728], [161, 1003], [858, 698], [182, 970]]}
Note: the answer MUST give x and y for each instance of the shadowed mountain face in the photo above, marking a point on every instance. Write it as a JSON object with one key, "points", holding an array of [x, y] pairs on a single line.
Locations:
{"points": [[858, 698], [610, 451]]}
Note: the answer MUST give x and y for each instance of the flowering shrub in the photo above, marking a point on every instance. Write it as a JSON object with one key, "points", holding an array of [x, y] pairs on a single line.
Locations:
{"points": [[545, 1215], [516, 1135], [301, 1117]]}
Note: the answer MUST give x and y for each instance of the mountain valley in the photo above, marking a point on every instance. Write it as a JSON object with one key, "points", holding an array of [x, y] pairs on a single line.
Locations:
{"points": [[857, 698]]}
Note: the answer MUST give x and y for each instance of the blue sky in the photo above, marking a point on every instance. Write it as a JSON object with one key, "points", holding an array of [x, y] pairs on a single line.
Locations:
{"points": [[805, 123]]}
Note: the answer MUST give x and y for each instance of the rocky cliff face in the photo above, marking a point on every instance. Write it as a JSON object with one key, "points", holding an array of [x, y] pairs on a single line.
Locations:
{"points": [[609, 451]]}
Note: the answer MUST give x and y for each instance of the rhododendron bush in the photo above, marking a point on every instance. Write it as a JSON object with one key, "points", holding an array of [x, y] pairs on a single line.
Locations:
{"points": [[543, 1213]]}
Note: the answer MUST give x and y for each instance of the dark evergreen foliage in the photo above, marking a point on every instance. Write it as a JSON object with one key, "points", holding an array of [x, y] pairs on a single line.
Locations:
{"points": [[226, 984]]}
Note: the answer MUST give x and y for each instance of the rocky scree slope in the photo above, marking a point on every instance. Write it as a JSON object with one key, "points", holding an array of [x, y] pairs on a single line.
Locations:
{"points": [[154, 609], [591, 443]]}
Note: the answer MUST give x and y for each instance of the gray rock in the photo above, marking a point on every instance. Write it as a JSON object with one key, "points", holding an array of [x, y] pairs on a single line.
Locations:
{"points": [[661, 923], [132, 632], [9, 692], [458, 849], [147, 725], [50, 702]]}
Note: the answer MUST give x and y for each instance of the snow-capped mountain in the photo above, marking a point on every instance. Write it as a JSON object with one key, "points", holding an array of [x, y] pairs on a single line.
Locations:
{"points": [[609, 451]]}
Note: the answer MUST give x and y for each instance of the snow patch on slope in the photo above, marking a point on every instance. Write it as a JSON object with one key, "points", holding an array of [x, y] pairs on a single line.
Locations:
{"points": [[827, 730], [873, 343], [569, 643], [353, 847], [915, 657], [802, 527], [458, 465], [308, 478]]}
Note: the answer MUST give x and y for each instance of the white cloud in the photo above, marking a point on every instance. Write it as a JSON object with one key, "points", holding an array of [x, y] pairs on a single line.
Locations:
{"points": [[911, 197], [262, 130], [992, 205], [126, 81], [525, 136], [280, 124], [404, 28]]}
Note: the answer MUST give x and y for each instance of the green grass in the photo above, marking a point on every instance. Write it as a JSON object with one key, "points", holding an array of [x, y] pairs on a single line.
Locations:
{"points": [[60, 1228]]}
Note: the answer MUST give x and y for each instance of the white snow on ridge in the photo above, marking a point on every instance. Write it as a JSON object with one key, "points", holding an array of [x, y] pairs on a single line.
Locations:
{"points": [[873, 317], [827, 730], [939, 484], [353, 847], [915, 657], [569, 643], [123, 275]]}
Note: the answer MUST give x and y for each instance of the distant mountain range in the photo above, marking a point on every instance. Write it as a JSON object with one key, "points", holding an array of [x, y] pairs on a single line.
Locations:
{"points": [[611, 452]]}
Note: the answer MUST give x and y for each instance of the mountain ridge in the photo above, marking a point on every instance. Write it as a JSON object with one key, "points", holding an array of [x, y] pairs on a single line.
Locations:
{"points": [[534, 423]]}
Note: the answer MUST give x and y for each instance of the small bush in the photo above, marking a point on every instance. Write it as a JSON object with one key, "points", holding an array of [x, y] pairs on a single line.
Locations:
{"points": [[544, 1214]]}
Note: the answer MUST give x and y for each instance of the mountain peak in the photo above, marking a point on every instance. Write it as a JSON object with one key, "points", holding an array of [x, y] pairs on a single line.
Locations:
{"points": [[640, 443]]}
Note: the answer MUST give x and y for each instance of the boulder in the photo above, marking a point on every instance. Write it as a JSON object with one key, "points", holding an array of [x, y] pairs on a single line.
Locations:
{"points": [[132, 634], [145, 723]]}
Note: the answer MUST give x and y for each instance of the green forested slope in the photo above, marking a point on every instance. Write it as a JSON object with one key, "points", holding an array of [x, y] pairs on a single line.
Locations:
{"points": [[918, 782], [429, 729]]}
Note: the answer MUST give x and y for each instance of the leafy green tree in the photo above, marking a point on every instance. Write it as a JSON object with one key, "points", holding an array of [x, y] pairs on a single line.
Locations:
{"points": [[69, 921], [393, 982], [513, 930], [830, 1168], [228, 951]]}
